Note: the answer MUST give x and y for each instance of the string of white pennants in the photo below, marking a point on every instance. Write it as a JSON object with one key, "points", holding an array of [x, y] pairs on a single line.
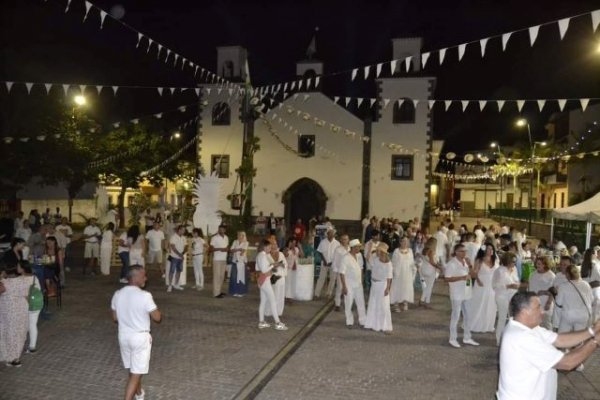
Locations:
{"points": [[171, 57], [374, 70]]}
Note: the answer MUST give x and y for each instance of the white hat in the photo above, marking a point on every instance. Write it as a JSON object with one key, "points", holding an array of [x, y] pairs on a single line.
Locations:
{"points": [[354, 243]]}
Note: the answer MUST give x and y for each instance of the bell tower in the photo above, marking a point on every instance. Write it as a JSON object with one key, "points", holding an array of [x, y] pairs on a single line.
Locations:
{"points": [[230, 63]]}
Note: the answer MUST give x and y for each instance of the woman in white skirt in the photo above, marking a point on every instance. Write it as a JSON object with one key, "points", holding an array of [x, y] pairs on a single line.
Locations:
{"points": [[404, 267], [540, 282], [198, 248], [505, 282], [481, 307], [429, 269], [267, 296], [379, 316], [292, 253], [277, 258], [106, 248]]}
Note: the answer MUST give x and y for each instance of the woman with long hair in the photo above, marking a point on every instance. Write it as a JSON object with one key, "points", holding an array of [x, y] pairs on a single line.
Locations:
{"points": [[276, 257], [429, 270], [404, 271], [505, 282], [14, 255], [541, 282], [575, 300], [379, 316], [482, 305], [267, 296], [238, 281], [137, 245], [106, 246]]}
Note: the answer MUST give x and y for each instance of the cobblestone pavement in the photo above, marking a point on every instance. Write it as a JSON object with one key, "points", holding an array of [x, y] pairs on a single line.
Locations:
{"points": [[208, 349]]}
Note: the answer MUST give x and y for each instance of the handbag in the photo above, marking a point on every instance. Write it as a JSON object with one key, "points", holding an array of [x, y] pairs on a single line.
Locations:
{"points": [[36, 297], [587, 308]]}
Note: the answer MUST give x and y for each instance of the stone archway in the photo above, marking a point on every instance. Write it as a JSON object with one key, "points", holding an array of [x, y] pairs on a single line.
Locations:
{"points": [[304, 199]]}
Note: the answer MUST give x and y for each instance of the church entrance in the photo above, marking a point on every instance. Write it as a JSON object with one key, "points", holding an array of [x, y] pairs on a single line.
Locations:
{"points": [[304, 199]]}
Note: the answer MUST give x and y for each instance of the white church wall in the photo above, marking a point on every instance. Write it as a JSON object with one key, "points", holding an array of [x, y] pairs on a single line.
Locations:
{"points": [[339, 175], [403, 199]]}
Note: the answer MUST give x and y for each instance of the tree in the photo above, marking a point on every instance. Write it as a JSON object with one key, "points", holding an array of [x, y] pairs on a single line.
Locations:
{"points": [[148, 147]]}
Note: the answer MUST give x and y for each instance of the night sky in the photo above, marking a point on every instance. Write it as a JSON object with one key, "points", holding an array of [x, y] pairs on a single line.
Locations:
{"points": [[40, 43]]}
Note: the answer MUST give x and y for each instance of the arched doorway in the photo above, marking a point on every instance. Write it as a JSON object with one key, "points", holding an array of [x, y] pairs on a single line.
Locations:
{"points": [[304, 199]]}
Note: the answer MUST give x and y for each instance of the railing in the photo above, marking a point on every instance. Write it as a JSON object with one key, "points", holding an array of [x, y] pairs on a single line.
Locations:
{"points": [[543, 215]]}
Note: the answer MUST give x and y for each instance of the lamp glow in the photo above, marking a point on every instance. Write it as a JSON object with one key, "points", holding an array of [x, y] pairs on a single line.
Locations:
{"points": [[80, 100]]}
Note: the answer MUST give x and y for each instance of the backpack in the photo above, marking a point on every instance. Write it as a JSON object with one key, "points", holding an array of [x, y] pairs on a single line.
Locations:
{"points": [[36, 297]]}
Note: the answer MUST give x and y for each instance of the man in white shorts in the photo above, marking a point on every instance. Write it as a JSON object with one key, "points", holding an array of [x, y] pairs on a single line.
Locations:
{"points": [[156, 239], [91, 252], [132, 309]]}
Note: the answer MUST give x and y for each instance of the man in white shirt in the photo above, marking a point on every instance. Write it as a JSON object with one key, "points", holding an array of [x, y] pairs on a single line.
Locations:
{"points": [[326, 248], [176, 250], [64, 239], [458, 274], [472, 247], [132, 309], [529, 355], [219, 244], [352, 288], [441, 250], [156, 239], [91, 235], [338, 255]]}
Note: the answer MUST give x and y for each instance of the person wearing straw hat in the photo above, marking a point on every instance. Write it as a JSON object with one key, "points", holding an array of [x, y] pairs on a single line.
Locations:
{"points": [[350, 270], [379, 315]]}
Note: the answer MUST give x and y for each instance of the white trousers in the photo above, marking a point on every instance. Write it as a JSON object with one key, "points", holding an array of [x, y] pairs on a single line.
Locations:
{"points": [[33, 328], [279, 292], [105, 259], [355, 295], [502, 306], [338, 290], [429, 282], [458, 307], [198, 273], [321, 281], [267, 298]]}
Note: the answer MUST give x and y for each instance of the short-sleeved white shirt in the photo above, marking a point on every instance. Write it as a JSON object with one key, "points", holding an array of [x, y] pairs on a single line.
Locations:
{"points": [[66, 230], [123, 238], [262, 262], [381, 271], [503, 277], [543, 281], [351, 268], [155, 238], [92, 231], [219, 242], [179, 243], [527, 358], [327, 248], [338, 255], [459, 290], [133, 307]]}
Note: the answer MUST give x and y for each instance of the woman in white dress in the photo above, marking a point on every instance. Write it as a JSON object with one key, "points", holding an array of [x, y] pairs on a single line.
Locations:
{"points": [[292, 253], [137, 245], [404, 267], [267, 297], [540, 282], [429, 269], [106, 248], [482, 305], [238, 282], [379, 316], [505, 282], [590, 272], [277, 258], [575, 299]]}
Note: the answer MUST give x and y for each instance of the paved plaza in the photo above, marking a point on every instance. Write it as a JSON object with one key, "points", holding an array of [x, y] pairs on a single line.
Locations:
{"points": [[209, 349]]}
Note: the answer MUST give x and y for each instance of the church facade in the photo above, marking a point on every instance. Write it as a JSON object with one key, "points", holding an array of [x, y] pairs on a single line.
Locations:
{"points": [[318, 158]]}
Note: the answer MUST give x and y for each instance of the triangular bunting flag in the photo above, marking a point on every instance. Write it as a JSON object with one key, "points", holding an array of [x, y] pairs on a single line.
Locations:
{"points": [[306, 96], [98, 89], [367, 71], [102, 17], [230, 91], [348, 100], [464, 104], [300, 84], [378, 70], [308, 82], [150, 41], [533, 34], [159, 115], [520, 104], [135, 121], [500, 104], [393, 66], [140, 36], [82, 88], [181, 108], [160, 91], [317, 81], [115, 89], [400, 102], [431, 103], [208, 91], [159, 49], [68, 6], [415, 103], [461, 50], [561, 104], [385, 103], [482, 104], [359, 101], [336, 99], [584, 103], [354, 72], [65, 89], [408, 63], [373, 101], [285, 85], [442, 55], [483, 45], [595, 20], [447, 104], [505, 38], [563, 25], [424, 58], [9, 86], [541, 104], [295, 96], [88, 5], [293, 86], [219, 90], [48, 86], [28, 85]]}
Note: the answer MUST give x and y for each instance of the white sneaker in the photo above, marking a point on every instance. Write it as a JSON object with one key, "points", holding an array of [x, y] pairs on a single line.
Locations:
{"points": [[471, 342], [140, 396], [177, 287], [454, 343], [280, 326], [169, 289], [263, 325]]}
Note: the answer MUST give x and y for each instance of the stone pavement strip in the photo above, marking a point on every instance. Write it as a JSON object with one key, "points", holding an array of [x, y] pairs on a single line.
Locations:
{"points": [[210, 349]]}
